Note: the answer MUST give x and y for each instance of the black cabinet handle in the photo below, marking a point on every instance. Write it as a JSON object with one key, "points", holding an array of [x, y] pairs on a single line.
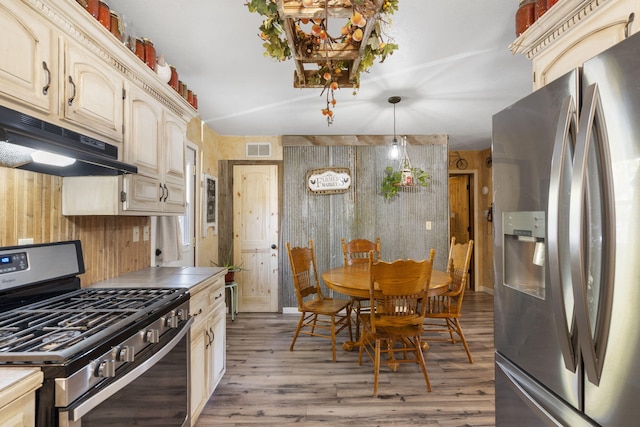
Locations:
{"points": [[45, 89], [73, 85]]}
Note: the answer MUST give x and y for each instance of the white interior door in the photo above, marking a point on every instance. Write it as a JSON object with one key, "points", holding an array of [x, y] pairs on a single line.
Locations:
{"points": [[255, 236]]}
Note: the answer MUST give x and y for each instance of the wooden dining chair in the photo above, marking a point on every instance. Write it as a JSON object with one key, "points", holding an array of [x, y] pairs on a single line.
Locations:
{"points": [[444, 311], [319, 316], [354, 252], [394, 324]]}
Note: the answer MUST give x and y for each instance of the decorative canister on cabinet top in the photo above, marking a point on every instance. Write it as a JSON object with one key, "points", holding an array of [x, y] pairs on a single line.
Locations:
{"points": [[104, 15], [92, 7], [116, 25], [163, 69], [525, 16], [173, 81], [139, 51], [149, 53], [539, 9]]}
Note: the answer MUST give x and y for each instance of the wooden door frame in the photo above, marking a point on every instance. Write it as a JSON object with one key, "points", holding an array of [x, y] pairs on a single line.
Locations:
{"points": [[474, 208], [225, 207]]}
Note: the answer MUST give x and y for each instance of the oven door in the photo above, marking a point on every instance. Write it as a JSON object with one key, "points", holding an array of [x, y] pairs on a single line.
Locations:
{"points": [[154, 391]]}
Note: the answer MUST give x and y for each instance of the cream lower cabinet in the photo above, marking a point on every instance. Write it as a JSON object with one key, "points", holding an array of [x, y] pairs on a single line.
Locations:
{"points": [[18, 396], [208, 341], [28, 62]]}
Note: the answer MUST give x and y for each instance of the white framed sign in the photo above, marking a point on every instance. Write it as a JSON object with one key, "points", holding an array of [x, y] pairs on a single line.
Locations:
{"points": [[329, 180]]}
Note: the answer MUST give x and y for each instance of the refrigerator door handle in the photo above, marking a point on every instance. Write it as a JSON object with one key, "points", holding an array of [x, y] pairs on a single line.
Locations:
{"points": [[557, 220], [592, 272]]}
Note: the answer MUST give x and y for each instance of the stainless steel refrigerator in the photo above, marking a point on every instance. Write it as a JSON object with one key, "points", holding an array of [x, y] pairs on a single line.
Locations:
{"points": [[566, 180]]}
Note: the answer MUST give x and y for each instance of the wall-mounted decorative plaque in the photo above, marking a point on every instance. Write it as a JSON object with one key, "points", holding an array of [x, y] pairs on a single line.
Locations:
{"points": [[329, 180]]}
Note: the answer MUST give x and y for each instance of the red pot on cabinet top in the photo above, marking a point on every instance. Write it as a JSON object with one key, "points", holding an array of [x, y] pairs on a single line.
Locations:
{"points": [[525, 16]]}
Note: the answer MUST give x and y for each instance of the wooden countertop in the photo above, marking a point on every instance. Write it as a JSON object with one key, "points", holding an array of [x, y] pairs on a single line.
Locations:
{"points": [[162, 277], [16, 382]]}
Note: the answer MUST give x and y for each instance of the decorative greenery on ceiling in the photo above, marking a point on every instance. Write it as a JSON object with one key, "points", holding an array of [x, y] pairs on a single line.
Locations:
{"points": [[312, 38]]}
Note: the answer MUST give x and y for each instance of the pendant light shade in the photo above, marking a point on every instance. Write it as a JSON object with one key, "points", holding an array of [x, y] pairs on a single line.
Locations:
{"points": [[394, 151]]}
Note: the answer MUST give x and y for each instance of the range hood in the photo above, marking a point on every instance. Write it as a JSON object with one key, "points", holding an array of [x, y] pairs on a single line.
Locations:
{"points": [[22, 135]]}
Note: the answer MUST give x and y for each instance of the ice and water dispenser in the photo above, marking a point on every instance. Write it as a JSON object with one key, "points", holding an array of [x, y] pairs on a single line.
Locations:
{"points": [[524, 251]]}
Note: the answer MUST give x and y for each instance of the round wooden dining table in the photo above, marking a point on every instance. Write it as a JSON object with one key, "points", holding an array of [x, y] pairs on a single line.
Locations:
{"points": [[353, 280]]}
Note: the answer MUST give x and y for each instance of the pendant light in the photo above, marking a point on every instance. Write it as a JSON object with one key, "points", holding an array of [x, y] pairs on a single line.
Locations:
{"points": [[394, 152]]}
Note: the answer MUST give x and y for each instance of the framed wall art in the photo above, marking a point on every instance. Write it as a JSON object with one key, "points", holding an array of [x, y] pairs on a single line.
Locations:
{"points": [[209, 204]]}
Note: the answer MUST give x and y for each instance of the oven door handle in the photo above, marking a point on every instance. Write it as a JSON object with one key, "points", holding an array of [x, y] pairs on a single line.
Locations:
{"points": [[89, 404]]}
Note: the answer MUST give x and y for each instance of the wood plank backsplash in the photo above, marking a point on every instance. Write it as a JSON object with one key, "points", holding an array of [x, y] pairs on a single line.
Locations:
{"points": [[31, 207]]}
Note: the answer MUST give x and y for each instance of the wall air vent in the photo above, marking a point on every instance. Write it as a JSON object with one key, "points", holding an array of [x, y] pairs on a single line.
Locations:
{"points": [[258, 149]]}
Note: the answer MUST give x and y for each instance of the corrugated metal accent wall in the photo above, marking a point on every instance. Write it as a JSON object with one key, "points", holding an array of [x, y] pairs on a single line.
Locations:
{"points": [[362, 212]]}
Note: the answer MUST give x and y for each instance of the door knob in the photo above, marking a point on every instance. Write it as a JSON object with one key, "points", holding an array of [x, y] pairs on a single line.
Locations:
{"points": [[273, 246]]}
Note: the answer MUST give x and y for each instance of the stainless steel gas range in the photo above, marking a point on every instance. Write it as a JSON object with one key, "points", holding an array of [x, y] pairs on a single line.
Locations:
{"points": [[110, 357]]}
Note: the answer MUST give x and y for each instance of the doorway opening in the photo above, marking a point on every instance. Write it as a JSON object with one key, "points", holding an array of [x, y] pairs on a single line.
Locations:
{"points": [[254, 243], [463, 221]]}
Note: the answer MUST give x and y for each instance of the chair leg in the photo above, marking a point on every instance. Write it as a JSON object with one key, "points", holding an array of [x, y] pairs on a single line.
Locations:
{"points": [[333, 337], [421, 361], [295, 335], [376, 367], [464, 341], [349, 308]]}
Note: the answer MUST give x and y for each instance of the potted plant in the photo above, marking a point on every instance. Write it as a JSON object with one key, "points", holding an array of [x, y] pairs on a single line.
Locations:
{"points": [[230, 266], [393, 180]]}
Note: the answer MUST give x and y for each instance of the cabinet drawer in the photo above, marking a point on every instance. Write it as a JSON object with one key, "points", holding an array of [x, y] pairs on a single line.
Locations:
{"points": [[199, 308], [216, 298]]}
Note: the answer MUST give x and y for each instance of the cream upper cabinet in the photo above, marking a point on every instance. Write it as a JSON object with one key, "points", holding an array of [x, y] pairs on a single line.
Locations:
{"points": [[155, 144], [61, 65], [92, 93], [573, 31], [28, 64], [175, 130], [143, 132]]}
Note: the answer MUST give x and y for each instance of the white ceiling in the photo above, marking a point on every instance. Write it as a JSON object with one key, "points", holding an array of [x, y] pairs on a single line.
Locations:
{"points": [[453, 70]]}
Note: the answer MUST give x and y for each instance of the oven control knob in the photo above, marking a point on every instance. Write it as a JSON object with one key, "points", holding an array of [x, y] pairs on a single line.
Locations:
{"points": [[183, 314], [125, 354], [152, 336], [106, 369], [172, 320]]}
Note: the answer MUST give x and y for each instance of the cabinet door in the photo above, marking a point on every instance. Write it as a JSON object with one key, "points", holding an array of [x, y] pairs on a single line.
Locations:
{"points": [[217, 350], [142, 136], [173, 172], [198, 385], [92, 96], [142, 194], [26, 62]]}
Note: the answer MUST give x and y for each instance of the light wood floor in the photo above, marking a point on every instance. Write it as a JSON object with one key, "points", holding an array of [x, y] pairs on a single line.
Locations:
{"points": [[266, 384]]}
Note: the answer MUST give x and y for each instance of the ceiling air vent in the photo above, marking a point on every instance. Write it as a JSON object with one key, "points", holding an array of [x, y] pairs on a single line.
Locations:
{"points": [[258, 149]]}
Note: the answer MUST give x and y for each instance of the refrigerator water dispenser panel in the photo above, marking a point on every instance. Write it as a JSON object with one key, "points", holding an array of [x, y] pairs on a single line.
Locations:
{"points": [[524, 252]]}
